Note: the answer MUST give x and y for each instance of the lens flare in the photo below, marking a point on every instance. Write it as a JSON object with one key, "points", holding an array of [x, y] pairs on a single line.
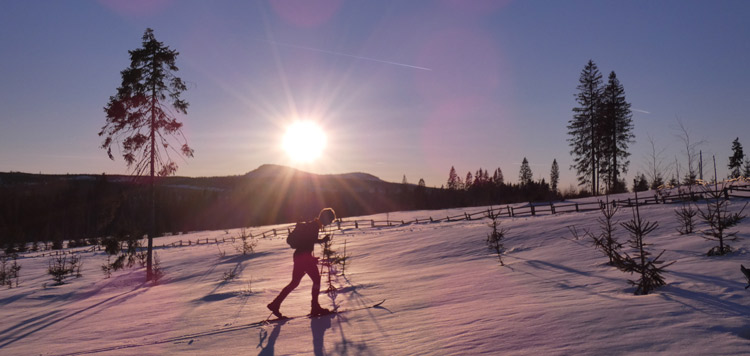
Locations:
{"points": [[304, 141]]}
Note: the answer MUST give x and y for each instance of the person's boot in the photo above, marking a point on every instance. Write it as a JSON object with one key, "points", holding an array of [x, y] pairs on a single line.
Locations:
{"points": [[274, 308], [317, 310]]}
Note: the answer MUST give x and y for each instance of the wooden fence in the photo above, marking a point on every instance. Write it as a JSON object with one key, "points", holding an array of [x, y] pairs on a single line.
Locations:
{"points": [[532, 209]]}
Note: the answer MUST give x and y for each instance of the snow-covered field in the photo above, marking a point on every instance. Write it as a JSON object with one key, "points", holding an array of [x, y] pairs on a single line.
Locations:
{"points": [[446, 295]]}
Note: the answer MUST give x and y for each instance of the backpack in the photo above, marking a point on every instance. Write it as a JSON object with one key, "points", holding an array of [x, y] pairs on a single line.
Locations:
{"points": [[294, 240]]}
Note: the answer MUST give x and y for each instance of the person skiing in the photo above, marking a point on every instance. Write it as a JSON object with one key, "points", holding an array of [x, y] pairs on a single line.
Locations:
{"points": [[305, 236]]}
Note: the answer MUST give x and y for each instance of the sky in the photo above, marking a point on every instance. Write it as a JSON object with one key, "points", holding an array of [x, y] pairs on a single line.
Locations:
{"points": [[401, 88]]}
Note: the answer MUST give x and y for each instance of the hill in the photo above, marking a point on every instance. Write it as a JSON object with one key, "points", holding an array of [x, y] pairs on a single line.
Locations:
{"points": [[35, 207]]}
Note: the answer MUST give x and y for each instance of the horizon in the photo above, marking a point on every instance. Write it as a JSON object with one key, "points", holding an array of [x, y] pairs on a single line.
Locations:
{"points": [[400, 89]]}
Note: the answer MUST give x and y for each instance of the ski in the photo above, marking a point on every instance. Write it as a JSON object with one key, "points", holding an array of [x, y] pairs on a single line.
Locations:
{"points": [[333, 312]]}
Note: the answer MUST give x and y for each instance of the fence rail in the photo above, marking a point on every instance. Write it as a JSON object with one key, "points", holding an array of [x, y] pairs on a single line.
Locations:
{"points": [[531, 209]]}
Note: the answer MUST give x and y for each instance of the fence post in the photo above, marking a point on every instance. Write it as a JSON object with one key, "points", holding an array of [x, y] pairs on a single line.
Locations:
{"points": [[372, 222], [533, 211], [577, 209], [552, 208], [431, 219], [339, 224], [356, 224], [512, 214]]}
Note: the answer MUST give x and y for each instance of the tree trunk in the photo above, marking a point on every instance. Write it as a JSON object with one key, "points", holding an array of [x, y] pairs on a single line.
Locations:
{"points": [[152, 223]]}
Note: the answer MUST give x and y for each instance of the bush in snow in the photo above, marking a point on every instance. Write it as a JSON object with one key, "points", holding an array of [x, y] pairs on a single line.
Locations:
{"points": [[606, 241], [229, 275], [247, 242], [648, 269], [60, 267], [112, 247], [9, 271], [719, 220], [686, 216], [158, 272], [330, 263], [495, 238]]}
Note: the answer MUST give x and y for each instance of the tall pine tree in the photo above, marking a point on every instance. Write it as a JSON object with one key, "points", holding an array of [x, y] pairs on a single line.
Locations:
{"points": [[616, 134], [554, 176], [453, 180], [141, 118], [469, 181], [585, 127], [524, 175], [498, 178]]}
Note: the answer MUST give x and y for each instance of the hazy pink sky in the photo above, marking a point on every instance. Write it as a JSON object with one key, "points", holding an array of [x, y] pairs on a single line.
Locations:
{"points": [[402, 87]]}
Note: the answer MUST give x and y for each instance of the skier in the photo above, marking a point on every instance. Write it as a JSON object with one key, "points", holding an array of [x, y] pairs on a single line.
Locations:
{"points": [[305, 236]]}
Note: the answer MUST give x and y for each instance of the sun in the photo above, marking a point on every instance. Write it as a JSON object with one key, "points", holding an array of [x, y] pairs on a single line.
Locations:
{"points": [[304, 141]]}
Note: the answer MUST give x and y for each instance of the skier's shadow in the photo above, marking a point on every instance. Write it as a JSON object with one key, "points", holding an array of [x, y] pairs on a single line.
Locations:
{"points": [[319, 326], [268, 350]]}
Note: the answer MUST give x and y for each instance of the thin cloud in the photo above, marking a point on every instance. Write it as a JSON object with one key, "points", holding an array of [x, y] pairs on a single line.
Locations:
{"points": [[346, 55]]}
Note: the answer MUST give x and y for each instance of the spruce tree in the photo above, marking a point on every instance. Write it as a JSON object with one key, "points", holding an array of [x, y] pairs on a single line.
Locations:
{"points": [[585, 127], [640, 183], [524, 175], [616, 134], [495, 238], [606, 241], [141, 118], [719, 220], [736, 159], [648, 269], [498, 178], [746, 170], [469, 181], [453, 179], [554, 176]]}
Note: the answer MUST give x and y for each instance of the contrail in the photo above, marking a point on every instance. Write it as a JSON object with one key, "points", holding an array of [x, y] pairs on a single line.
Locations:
{"points": [[642, 111], [346, 55]]}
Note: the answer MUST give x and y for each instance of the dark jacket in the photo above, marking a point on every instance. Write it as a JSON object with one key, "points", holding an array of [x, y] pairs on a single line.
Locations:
{"points": [[308, 236]]}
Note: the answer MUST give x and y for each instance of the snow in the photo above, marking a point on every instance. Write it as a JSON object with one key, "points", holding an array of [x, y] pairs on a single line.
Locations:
{"points": [[446, 295]]}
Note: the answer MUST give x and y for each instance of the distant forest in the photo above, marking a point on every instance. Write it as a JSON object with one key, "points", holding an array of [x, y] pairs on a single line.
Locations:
{"points": [[51, 208]]}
